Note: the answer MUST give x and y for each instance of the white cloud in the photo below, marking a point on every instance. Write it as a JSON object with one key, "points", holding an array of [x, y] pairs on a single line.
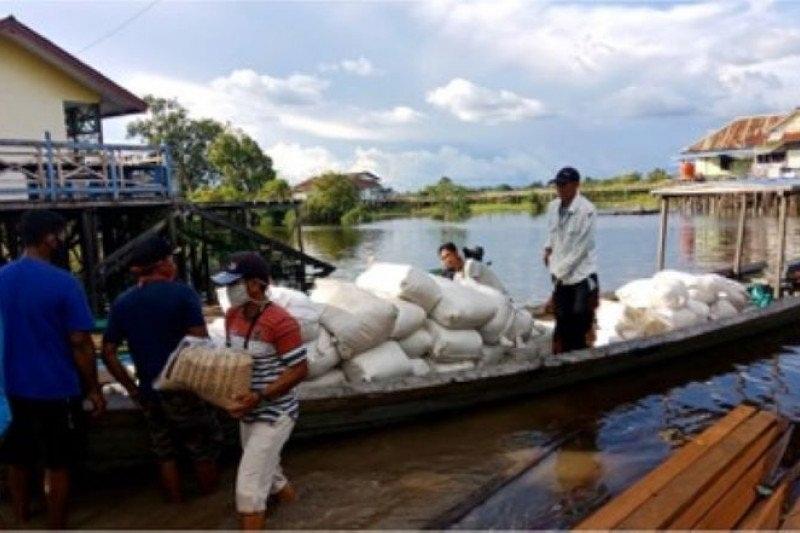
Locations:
{"points": [[397, 115], [360, 67], [472, 103], [297, 89], [409, 169], [593, 51]]}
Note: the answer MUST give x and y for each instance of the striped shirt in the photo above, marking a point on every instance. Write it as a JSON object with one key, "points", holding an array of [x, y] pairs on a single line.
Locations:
{"points": [[275, 345]]}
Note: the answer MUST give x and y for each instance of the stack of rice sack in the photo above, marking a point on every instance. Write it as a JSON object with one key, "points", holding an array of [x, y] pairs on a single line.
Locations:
{"points": [[669, 300]]}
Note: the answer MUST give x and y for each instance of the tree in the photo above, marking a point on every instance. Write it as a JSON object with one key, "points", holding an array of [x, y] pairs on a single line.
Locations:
{"points": [[240, 162], [658, 174], [168, 123], [449, 199], [276, 190], [331, 196]]}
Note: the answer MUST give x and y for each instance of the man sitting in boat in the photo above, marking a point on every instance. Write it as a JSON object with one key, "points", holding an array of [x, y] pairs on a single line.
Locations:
{"points": [[456, 267], [570, 255], [153, 316], [268, 413]]}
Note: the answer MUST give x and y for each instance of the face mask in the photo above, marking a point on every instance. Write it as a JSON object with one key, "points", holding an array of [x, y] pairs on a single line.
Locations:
{"points": [[232, 296]]}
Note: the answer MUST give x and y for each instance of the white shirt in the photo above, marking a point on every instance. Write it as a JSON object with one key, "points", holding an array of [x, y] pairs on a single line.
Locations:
{"points": [[571, 237], [482, 274]]}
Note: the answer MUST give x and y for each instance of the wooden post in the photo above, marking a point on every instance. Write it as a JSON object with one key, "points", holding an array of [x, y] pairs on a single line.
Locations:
{"points": [[737, 261], [662, 233], [779, 260], [89, 256]]}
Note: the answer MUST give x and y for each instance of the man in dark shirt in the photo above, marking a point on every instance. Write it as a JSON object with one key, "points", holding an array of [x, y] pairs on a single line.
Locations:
{"points": [[49, 363], [153, 317]]}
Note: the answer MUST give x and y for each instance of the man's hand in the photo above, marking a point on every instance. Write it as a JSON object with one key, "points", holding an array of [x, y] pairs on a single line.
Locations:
{"points": [[546, 256], [98, 402], [550, 306], [245, 403]]}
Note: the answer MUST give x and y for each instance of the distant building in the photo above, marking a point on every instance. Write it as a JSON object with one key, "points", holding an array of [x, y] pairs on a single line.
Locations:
{"points": [[762, 146], [368, 185], [45, 88]]}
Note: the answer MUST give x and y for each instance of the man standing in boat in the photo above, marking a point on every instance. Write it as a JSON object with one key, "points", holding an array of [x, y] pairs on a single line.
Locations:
{"points": [[571, 257], [268, 413], [153, 316]]}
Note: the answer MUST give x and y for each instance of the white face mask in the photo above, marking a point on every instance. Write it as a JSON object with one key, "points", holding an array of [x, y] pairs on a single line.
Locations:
{"points": [[232, 296]]}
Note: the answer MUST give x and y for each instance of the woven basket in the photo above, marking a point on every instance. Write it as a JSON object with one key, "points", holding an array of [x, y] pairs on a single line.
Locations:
{"points": [[217, 375]]}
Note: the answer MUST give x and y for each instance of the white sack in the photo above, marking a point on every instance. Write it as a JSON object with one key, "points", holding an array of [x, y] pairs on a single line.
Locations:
{"points": [[668, 294], [420, 367], [357, 319], [723, 309], [410, 318], [300, 306], [730, 289], [386, 361], [334, 377], [216, 331], [678, 318], [322, 355], [671, 276], [703, 294], [444, 368], [522, 326], [503, 314], [418, 344], [491, 355], [461, 307], [700, 309], [401, 281], [637, 323], [637, 293], [454, 345]]}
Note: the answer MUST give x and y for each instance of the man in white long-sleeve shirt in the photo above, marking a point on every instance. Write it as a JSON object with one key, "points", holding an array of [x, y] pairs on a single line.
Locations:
{"points": [[570, 255]]}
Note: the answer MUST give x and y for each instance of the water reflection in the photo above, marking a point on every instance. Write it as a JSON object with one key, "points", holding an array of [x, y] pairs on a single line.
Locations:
{"points": [[637, 424]]}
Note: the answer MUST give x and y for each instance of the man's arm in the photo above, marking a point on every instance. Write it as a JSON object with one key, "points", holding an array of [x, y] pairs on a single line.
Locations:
{"points": [[83, 354], [116, 369], [577, 250]]}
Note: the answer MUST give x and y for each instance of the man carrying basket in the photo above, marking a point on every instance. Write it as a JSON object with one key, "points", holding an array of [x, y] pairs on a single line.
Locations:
{"points": [[269, 411]]}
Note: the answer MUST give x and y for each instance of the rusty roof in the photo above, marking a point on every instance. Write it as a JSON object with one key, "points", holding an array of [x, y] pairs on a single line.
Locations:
{"points": [[740, 134], [116, 100]]}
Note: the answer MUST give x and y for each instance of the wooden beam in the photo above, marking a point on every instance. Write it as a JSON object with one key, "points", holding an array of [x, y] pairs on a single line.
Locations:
{"points": [[662, 234], [781, 251], [737, 260]]}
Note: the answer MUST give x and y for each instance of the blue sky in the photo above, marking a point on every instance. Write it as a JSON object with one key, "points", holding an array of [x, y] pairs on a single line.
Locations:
{"points": [[486, 92]]}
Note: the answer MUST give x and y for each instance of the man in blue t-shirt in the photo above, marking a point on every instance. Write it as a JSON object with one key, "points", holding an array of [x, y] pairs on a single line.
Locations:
{"points": [[153, 316], [49, 363]]}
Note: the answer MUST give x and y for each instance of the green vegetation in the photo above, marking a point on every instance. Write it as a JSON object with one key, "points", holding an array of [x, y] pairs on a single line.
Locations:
{"points": [[331, 196], [276, 190], [240, 162], [449, 200]]}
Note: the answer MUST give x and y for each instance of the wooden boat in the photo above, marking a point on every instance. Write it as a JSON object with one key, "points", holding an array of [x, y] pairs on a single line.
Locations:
{"points": [[120, 436]]}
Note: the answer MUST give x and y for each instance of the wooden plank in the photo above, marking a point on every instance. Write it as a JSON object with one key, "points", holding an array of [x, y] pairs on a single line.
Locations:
{"points": [[766, 514], [670, 502], [738, 485], [626, 503]]}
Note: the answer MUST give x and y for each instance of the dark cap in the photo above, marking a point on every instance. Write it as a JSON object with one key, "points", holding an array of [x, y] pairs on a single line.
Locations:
{"points": [[150, 251], [243, 265], [566, 175]]}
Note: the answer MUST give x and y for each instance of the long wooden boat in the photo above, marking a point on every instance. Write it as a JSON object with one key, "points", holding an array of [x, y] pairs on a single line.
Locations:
{"points": [[120, 437]]}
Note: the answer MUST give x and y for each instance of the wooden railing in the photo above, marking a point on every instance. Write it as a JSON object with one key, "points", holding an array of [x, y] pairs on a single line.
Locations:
{"points": [[49, 171]]}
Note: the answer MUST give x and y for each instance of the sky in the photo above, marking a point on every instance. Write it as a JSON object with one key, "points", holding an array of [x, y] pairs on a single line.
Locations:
{"points": [[486, 92]]}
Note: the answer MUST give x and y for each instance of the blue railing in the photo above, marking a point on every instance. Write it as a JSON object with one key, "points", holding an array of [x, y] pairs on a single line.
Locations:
{"points": [[49, 171]]}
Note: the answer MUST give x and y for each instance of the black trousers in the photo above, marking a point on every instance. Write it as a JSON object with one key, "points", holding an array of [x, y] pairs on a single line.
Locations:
{"points": [[575, 307]]}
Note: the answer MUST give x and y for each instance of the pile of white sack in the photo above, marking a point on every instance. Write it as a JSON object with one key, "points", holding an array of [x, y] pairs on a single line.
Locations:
{"points": [[669, 300], [397, 321]]}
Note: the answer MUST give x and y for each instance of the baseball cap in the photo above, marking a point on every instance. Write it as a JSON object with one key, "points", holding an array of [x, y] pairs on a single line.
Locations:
{"points": [[566, 175], [243, 265], [150, 251]]}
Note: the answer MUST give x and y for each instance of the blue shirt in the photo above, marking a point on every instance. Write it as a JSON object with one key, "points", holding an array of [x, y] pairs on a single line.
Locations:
{"points": [[5, 411], [153, 319], [41, 305]]}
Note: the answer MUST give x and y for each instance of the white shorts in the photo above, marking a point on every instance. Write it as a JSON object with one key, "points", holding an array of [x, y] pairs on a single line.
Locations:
{"points": [[260, 471]]}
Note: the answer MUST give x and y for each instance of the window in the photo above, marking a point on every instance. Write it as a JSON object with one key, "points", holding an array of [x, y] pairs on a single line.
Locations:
{"points": [[83, 122], [771, 157]]}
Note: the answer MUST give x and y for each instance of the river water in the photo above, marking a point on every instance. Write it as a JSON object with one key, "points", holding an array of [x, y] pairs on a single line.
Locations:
{"points": [[618, 428]]}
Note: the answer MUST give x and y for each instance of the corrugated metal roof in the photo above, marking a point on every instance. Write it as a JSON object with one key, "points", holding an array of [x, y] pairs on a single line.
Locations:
{"points": [[743, 133], [733, 187]]}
